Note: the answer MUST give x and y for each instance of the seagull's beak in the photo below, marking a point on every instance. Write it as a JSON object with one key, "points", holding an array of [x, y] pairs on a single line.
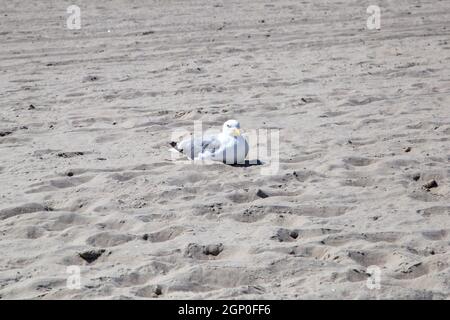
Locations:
{"points": [[236, 132]]}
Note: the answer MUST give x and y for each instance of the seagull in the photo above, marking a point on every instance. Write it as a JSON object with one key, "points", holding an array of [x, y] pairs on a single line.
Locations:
{"points": [[229, 146]]}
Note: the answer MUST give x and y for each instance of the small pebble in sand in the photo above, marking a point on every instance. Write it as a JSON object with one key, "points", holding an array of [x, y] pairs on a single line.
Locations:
{"points": [[213, 249], [5, 133], [284, 235], [408, 149], [294, 234], [90, 78], [304, 100], [91, 255], [430, 184], [70, 174], [416, 176], [158, 290], [31, 107], [262, 194], [70, 154]]}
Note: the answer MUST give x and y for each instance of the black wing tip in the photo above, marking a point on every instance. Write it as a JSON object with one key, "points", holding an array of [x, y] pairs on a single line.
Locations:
{"points": [[174, 145]]}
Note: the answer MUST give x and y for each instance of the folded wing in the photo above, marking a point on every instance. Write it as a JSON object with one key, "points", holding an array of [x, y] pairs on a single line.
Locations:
{"points": [[192, 147]]}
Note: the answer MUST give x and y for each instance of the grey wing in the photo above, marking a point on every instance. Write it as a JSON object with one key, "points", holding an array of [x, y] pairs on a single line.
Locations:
{"points": [[193, 146]]}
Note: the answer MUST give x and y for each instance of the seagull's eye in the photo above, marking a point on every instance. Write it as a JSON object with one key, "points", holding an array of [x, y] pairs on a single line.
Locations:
{"points": [[228, 126]]}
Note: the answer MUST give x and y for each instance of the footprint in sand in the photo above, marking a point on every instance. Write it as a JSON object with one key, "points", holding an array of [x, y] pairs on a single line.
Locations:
{"points": [[163, 235], [22, 210], [108, 239]]}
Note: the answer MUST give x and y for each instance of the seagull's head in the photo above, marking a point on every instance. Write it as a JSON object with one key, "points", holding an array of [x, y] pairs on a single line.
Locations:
{"points": [[232, 128]]}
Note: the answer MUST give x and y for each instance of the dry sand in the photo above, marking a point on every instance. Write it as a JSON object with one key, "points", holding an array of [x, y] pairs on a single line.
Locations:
{"points": [[361, 113]]}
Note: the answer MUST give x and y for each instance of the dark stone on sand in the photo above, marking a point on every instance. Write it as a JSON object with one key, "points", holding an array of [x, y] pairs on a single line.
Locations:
{"points": [[430, 184], [145, 237], [416, 177], [285, 235], [408, 149], [158, 290], [31, 107], [91, 255], [70, 174], [90, 78], [70, 154], [5, 133], [294, 234], [309, 100], [146, 33], [213, 249], [262, 194]]}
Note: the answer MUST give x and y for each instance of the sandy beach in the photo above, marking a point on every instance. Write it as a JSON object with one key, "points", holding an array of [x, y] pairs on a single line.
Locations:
{"points": [[87, 181]]}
